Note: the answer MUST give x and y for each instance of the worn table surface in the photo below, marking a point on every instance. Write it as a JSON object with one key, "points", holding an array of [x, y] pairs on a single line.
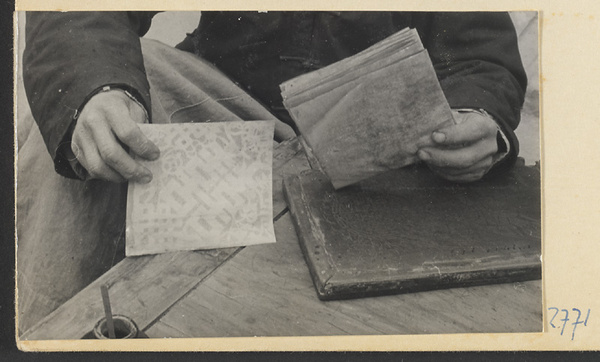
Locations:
{"points": [[266, 290]]}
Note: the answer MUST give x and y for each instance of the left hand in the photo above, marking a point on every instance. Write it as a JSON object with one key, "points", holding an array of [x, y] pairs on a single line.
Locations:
{"points": [[461, 152]]}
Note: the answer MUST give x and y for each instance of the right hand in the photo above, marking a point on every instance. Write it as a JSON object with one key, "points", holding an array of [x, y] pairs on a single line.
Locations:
{"points": [[107, 124]]}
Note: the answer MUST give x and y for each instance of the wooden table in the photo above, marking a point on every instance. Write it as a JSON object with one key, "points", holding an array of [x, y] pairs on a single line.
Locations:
{"points": [[266, 290]]}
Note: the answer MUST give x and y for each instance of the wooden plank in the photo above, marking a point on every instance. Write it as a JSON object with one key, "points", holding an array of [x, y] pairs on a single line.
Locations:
{"points": [[161, 330], [140, 287], [288, 159], [144, 287], [266, 290]]}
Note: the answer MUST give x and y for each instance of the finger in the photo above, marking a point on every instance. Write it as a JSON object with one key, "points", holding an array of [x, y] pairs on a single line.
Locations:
{"points": [[458, 158], [137, 142], [89, 157], [124, 123], [113, 154], [470, 177], [480, 167], [425, 141], [471, 128]]}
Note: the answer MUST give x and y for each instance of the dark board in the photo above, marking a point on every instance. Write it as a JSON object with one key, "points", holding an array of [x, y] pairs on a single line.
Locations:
{"points": [[408, 231]]}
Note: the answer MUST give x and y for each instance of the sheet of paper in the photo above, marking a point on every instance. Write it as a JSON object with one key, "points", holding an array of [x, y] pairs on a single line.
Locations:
{"points": [[211, 188], [364, 115]]}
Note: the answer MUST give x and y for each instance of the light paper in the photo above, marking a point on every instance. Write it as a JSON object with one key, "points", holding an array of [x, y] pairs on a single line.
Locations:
{"points": [[211, 188]]}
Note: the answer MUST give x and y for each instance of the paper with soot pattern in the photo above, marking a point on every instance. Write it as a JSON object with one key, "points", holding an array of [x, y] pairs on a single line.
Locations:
{"points": [[211, 188]]}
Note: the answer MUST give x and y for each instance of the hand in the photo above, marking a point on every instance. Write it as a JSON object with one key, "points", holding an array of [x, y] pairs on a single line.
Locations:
{"points": [[107, 124], [462, 152]]}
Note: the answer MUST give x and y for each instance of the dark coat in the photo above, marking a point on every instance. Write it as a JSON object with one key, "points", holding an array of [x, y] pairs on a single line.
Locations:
{"points": [[70, 55]]}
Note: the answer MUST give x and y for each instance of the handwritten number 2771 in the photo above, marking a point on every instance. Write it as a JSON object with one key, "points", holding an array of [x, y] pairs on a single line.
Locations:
{"points": [[565, 319]]}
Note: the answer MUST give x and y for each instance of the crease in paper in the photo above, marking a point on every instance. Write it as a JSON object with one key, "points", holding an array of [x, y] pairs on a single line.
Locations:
{"points": [[211, 188]]}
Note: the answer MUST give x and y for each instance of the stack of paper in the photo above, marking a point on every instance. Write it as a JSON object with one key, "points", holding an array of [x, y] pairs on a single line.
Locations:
{"points": [[211, 188], [363, 115]]}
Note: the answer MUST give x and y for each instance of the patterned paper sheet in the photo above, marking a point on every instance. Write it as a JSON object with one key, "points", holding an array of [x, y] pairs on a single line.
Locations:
{"points": [[211, 188]]}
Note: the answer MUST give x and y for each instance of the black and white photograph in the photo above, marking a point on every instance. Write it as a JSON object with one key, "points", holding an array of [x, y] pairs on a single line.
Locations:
{"points": [[200, 174]]}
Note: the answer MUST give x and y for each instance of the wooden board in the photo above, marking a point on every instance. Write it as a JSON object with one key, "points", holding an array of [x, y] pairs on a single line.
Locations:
{"points": [[143, 288], [266, 290], [407, 231], [288, 159]]}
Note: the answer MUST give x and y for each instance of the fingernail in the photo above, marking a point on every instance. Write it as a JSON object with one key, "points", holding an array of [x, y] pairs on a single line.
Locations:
{"points": [[439, 137], [145, 179], [154, 156], [424, 155]]}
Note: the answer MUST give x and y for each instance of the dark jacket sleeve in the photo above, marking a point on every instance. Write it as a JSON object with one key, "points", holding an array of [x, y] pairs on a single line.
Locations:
{"points": [[478, 64], [69, 56]]}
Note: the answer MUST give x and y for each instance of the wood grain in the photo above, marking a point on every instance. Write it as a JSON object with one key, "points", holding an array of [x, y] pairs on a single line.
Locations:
{"points": [[266, 290], [140, 287], [288, 157], [144, 287]]}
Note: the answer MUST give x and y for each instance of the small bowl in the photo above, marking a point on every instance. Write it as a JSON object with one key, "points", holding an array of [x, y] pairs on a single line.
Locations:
{"points": [[125, 328]]}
